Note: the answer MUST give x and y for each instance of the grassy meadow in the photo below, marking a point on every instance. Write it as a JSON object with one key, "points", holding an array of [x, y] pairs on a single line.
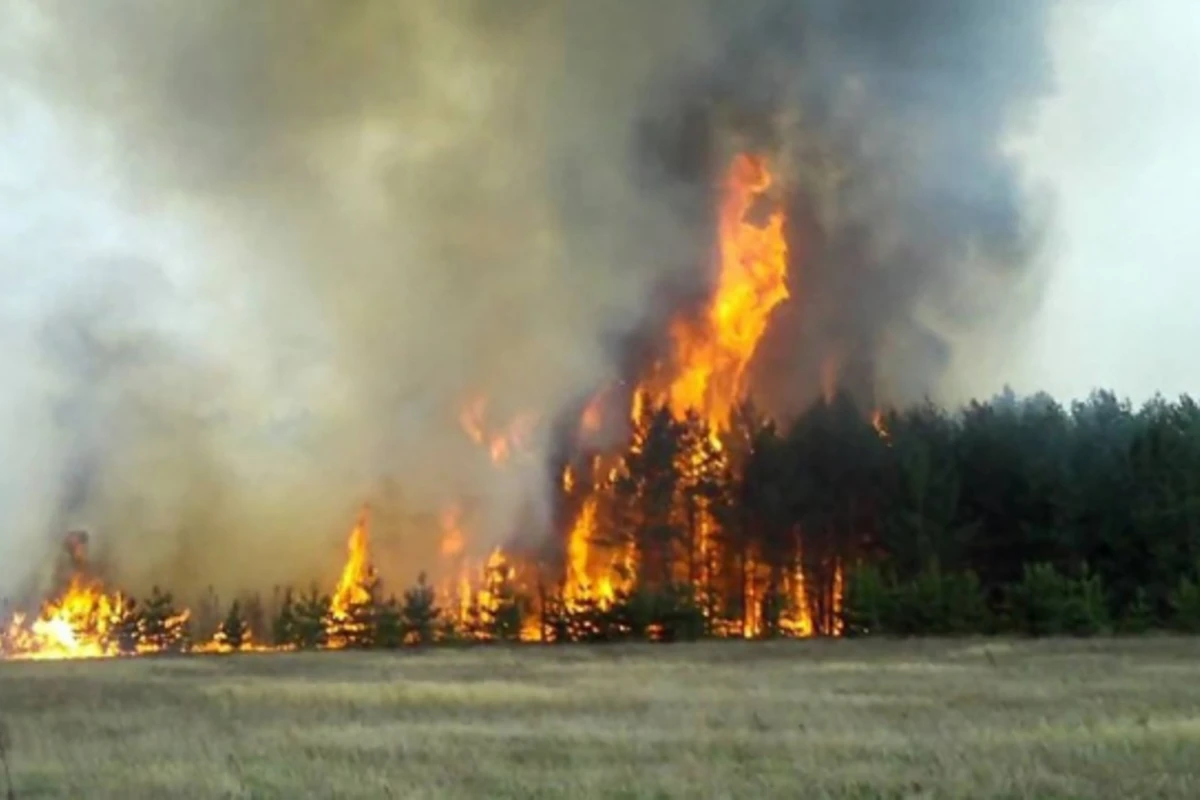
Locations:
{"points": [[1094, 719]]}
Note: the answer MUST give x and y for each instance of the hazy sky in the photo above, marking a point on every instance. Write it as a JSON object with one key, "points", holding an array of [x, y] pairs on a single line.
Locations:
{"points": [[1118, 147]]}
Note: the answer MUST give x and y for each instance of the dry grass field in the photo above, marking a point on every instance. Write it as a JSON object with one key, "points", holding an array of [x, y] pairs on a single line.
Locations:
{"points": [[1097, 719]]}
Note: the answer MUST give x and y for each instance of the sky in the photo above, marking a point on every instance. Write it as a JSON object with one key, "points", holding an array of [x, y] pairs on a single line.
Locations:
{"points": [[1115, 152], [1118, 149]]}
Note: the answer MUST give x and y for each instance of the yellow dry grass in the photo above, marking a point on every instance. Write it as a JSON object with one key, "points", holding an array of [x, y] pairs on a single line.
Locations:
{"points": [[862, 719]]}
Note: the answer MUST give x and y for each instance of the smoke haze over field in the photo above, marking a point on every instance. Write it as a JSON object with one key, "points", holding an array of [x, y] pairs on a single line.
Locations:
{"points": [[332, 224]]}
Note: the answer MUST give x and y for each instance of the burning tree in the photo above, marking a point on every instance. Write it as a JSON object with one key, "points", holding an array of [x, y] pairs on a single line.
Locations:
{"points": [[349, 622], [671, 537]]}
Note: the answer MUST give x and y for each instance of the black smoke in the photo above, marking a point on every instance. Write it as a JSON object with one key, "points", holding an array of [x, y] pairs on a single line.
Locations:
{"points": [[400, 206]]}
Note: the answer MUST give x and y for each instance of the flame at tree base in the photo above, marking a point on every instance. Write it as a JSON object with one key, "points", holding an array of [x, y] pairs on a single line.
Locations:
{"points": [[638, 560], [500, 601]]}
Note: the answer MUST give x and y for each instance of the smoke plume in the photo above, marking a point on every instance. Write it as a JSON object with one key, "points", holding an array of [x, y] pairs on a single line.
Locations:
{"points": [[376, 212]]}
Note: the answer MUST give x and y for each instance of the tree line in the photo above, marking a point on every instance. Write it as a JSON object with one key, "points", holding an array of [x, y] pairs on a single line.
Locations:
{"points": [[1014, 515], [1009, 515]]}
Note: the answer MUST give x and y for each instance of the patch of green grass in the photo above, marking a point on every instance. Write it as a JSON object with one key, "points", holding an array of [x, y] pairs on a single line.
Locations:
{"points": [[1116, 718]]}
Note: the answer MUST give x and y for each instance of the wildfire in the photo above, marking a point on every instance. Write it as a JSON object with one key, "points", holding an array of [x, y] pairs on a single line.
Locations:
{"points": [[86, 620], [699, 385], [353, 590], [356, 574], [77, 624], [482, 598], [712, 354]]}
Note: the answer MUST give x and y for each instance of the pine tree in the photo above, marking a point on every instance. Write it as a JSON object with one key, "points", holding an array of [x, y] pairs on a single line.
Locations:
{"points": [[163, 628], [508, 618], [1138, 616], [311, 613], [355, 627], [256, 617], [419, 614], [234, 631], [360, 629], [503, 619], [206, 615], [284, 627], [389, 626], [123, 627]]}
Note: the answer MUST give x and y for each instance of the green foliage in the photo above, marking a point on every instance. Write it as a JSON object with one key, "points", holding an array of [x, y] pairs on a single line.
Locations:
{"points": [[1138, 615], [419, 614], [284, 626], [678, 615], [256, 617], [963, 607], [357, 628], [1037, 605], [1047, 603], [670, 614], [508, 618], [966, 521], [389, 625], [1088, 610], [162, 627], [1184, 600], [234, 631], [309, 615], [932, 603], [507, 609]]}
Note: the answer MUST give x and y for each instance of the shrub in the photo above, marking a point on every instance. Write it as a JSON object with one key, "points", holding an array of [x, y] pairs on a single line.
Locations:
{"points": [[932, 603], [389, 627], [419, 613], [234, 631], [1138, 616], [964, 605], [1048, 603], [681, 618], [1184, 600], [309, 616], [865, 601]]}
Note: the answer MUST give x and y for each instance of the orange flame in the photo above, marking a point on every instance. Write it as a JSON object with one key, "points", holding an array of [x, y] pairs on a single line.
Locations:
{"points": [[85, 620], [578, 545], [77, 624], [709, 373], [706, 374], [713, 354], [352, 587]]}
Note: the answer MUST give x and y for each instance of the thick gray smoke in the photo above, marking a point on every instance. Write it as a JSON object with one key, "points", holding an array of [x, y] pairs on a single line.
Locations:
{"points": [[390, 209]]}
